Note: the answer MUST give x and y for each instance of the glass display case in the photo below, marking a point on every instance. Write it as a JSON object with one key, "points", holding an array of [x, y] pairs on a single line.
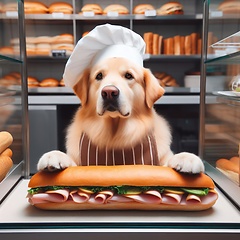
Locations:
{"points": [[20, 220], [220, 112], [13, 101]]}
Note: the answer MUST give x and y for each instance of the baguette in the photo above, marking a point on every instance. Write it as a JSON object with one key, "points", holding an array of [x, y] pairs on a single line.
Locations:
{"points": [[141, 187], [6, 140], [5, 165], [7, 152]]}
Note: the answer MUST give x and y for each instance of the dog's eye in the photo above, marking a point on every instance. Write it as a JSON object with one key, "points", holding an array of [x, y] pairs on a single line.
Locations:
{"points": [[128, 76], [99, 76]]}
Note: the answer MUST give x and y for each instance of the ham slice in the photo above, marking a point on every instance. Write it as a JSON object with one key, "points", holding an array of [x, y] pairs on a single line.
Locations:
{"points": [[56, 196], [103, 197], [79, 196], [149, 197], [171, 198]]}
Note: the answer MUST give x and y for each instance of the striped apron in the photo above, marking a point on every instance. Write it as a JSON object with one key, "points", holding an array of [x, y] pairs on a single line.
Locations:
{"points": [[143, 153]]}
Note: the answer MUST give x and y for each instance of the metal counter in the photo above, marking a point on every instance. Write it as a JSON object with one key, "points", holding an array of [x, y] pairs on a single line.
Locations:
{"points": [[18, 217]]}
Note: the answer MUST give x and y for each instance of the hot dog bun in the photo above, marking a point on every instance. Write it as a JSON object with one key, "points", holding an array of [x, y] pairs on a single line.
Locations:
{"points": [[142, 8], [170, 8], [116, 8], [128, 175]]}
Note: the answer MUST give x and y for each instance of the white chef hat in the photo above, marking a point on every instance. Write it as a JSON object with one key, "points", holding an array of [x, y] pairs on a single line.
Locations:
{"points": [[104, 41]]}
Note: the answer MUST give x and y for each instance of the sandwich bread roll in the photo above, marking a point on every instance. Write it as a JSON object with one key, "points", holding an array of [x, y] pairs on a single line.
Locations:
{"points": [[49, 82], [142, 187], [171, 8], [229, 6], [32, 82], [60, 7], [230, 168], [142, 8], [120, 9], [96, 8], [35, 8]]}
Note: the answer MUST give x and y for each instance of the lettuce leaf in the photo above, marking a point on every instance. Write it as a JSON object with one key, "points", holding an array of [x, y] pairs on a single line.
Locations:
{"points": [[122, 189]]}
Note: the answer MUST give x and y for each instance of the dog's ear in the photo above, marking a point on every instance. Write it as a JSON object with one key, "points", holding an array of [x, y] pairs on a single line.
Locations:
{"points": [[153, 90], [81, 87]]}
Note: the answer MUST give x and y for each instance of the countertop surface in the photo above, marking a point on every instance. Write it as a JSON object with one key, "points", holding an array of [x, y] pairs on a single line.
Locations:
{"points": [[16, 210]]}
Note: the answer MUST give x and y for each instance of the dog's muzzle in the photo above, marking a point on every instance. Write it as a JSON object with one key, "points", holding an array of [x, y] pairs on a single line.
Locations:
{"points": [[110, 96]]}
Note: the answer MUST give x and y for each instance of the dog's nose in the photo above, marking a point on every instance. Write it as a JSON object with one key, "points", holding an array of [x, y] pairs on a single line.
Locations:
{"points": [[110, 92]]}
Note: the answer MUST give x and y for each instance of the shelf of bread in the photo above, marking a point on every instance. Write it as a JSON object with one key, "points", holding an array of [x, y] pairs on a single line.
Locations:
{"points": [[66, 11]]}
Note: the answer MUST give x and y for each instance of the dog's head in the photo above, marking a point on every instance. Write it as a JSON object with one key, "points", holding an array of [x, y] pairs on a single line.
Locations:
{"points": [[117, 87]]}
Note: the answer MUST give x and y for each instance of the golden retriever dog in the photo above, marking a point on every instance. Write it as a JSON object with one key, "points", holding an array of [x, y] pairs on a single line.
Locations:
{"points": [[117, 98]]}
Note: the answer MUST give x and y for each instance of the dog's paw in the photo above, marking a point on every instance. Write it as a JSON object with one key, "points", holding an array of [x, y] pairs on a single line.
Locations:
{"points": [[53, 161], [186, 162]]}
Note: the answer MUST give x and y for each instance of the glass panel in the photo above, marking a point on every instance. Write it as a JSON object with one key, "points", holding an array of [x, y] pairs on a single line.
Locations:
{"points": [[11, 92], [222, 126]]}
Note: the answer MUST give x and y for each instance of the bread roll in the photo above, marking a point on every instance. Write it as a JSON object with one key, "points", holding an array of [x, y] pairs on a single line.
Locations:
{"points": [[188, 45], [32, 82], [177, 45], [10, 7], [63, 38], [156, 44], [148, 38], [229, 6], [142, 187], [194, 42], [60, 7], [142, 8], [6, 164], [35, 8], [230, 168], [61, 83], [168, 46], [7, 152], [6, 140], [120, 9], [49, 82], [7, 50], [96, 8], [170, 9]]}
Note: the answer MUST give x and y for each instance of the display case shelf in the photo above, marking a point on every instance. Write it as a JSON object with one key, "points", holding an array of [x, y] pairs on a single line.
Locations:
{"points": [[232, 58]]}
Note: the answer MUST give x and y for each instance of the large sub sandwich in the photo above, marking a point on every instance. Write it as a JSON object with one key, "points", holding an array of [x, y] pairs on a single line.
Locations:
{"points": [[140, 187]]}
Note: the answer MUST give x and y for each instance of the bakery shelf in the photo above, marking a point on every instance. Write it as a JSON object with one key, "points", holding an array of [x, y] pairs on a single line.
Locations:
{"points": [[163, 57], [56, 16]]}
